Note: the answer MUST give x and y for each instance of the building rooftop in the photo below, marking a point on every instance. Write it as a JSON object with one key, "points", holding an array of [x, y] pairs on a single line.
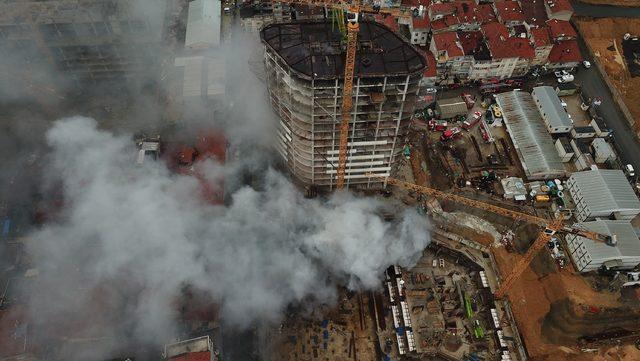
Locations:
{"points": [[446, 22], [561, 29], [503, 46], [534, 12], [466, 11], [540, 37], [552, 107], [315, 50], [509, 11], [566, 51], [605, 190], [448, 42], [529, 134], [421, 22], [556, 6], [388, 20], [203, 24], [485, 13], [628, 243], [473, 44]]}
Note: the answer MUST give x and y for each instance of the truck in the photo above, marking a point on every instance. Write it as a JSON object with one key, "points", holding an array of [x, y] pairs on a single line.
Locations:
{"points": [[450, 108], [472, 120], [437, 125], [451, 134]]}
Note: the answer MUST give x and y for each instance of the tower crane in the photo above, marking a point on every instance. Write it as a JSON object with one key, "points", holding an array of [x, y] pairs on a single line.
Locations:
{"points": [[353, 9], [551, 227]]}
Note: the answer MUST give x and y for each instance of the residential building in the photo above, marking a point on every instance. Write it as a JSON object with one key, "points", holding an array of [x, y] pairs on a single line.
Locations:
{"points": [[304, 78], [553, 113], [195, 349], [420, 27], [509, 12], [511, 56], [602, 193], [565, 55], [542, 44], [589, 255], [87, 41], [558, 9], [561, 30]]}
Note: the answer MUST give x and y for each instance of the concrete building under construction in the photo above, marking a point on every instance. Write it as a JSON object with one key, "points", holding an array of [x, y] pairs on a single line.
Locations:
{"points": [[305, 67], [91, 40]]}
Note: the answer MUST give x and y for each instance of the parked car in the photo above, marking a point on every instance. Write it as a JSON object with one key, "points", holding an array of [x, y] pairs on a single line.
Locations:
{"points": [[586, 64], [561, 73], [566, 79], [630, 172], [472, 120]]}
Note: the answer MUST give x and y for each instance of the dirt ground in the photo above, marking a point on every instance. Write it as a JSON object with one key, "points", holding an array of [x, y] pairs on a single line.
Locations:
{"points": [[604, 38], [554, 308], [631, 3]]}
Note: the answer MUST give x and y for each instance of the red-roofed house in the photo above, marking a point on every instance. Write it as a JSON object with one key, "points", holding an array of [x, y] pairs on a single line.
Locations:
{"points": [[430, 74], [466, 12], [534, 13], [541, 44], [509, 12], [485, 13], [559, 9], [565, 54], [446, 46], [451, 60], [510, 56], [561, 30], [446, 24], [439, 11], [419, 28], [195, 349]]}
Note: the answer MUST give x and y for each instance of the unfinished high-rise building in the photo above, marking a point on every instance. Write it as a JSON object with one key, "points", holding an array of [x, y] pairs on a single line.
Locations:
{"points": [[305, 68], [83, 40]]}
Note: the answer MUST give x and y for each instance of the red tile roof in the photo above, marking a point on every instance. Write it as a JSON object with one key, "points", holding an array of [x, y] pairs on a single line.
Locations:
{"points": [[534, 12], [556, 6], [561, 29], [421, 22], [441, 9], [193, 356], [540, 37], [470, 41], [509, 11], [431, 71], [565, 52], [415, 3], [502, 46], [448, 42], [466, 11], [445, 23], [389, 21], [485, 13]]}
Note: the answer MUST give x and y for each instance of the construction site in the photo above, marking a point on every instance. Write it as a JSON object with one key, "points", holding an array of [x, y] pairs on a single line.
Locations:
{"points": [[533, 241]]}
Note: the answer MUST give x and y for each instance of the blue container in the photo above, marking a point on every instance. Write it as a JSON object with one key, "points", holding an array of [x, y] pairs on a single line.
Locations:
{"points": [[6, 227]]}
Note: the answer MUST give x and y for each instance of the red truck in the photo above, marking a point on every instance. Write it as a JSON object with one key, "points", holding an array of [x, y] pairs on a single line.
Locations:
{"points": [[437, 125], [450, 134], [472, 120]]}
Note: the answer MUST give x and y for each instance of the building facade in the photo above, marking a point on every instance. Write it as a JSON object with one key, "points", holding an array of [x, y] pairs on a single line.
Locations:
{"points": [[304, 64]]}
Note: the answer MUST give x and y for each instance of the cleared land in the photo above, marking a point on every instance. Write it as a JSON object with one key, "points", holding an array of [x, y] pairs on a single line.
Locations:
{"points": [[604, 39]]}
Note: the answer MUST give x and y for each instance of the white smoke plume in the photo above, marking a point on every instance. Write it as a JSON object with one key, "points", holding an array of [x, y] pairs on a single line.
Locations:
{"points": [[147, 231]]}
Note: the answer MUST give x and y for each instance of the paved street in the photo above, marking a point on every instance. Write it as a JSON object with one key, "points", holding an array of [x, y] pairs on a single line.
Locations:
{"points": [[594, 86]]}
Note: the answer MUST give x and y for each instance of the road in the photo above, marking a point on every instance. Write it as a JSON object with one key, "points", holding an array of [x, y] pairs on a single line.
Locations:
{"points": [[604, 11], [594, 86]]}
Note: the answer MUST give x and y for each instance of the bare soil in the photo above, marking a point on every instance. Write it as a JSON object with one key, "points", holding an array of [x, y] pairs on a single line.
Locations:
{"points": [[551, 308]]}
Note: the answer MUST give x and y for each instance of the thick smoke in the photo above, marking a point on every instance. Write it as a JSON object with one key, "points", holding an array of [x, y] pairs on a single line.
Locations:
{"points": [[149, 231]]}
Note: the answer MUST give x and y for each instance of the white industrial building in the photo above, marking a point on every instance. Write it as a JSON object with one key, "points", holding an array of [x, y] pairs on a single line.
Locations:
{"points": [[602, 193], [589, 255], [602, 151], [534, 145], [553, 113]]}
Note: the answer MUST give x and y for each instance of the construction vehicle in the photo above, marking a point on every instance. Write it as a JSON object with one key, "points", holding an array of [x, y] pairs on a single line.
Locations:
{"points": [[353, 11], [450, 134], [551, 227]]}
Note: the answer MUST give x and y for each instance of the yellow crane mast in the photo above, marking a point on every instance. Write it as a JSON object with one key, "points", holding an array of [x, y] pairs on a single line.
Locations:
{"points": [[552, 226], [353, 9]]}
